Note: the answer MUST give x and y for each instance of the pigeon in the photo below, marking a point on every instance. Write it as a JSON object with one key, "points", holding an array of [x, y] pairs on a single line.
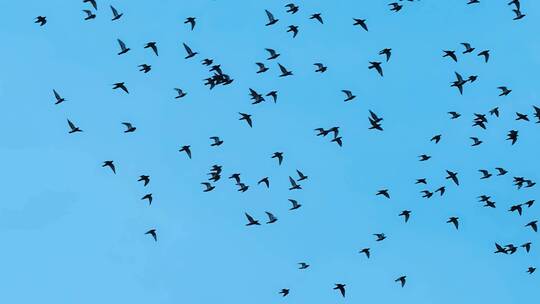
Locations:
{"points": [[152, 232], [361, 22], [191, 21], [271, 19], [349, 95], [273, 54], [454, 115], [262, 67], [120, 85], [366, 252], [513, 136], [301, 176], [41, 20], [265, 181], [436, 138], [387, 52], [295, 204], [454, 220], [189, 52], [251, 220], [145, 68], [279, 156], [179, 93], [292, 8], [89, 15], [485, 54], [58, 98], [129, 127], [451, 54], [504, 91], [500, 249], [383, 192], [320, 68], [148, 197], [109, 163], [317, 17], [501, 171], [485, 173], [217, 141], [303, 265], [186, 149], [377, 66], [468, 48], [152, 45], [272, 94], [247, 118], [73, 128], [421, 181], [396, 7], [208, 186], [123, 48], [406, 214], [533, 226], [294, 185], [271, 218], [531, 270], [452, 176], [380, 237], [115, 13], [341, 288], [284, 71], [401, 280], [284, 292], [293, 29], [527, 246], [145, 179]]}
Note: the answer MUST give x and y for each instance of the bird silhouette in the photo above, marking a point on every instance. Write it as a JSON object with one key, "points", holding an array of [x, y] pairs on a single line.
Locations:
{"points": [[186, 149], [115, 13], [317, 17], [153, 233], [145, 179], [148, 197], [401, 280], [92, 2], [189, 52], [41, 20], [89, 15], [406, 215], [271, 19], [341, 288], [271, 218], [278, 156], [123, 48], [191, 21], [454, 220], [284, 71], [366, 251], [361, 22], [251, 220], [73, 128], [295, 204], [110, 164], [153, 46], [533, 225], [121, 86], [58, 98], [294, 185]]}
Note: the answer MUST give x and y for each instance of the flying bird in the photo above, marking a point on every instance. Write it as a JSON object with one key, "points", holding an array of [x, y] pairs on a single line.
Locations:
{"points": [[120, 85], [115, 13], [279, 156], [292, 8], [533, 226], [73, 128], [123, 48], [93, 2], [271, 19], [110, 164], [468, 48], [208, 186], [293, 29], [294, 185], [454, 220], [145, 179], [251, 220], [317, 17], [271, 218], [191, 21], [361, 22], [451, 54], [341, 288], [377, 66], [186, 149], [406, 214], [273, 54], [295, 204], [366, 251], [189, 52], [129, 127], [58, 98], [349, 95], [89, 15], [179, 93], [401, 280], [247, 118], [152, 232], [453, 176], [41, 20], [284, 71], [148, 197], [152, 45], [485, 54], [320, 67], [387, 52], [216, 141]]}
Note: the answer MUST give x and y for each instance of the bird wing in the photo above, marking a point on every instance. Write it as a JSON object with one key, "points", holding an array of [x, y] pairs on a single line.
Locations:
{"points": [[188, 49], [292, 181], [122, 44], [270, 15], [249, 217], [282, 68], [114, 11], [71, 125], [56, 95]]}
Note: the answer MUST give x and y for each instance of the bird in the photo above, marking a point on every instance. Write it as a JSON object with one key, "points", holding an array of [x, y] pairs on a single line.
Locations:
{"points": [[152, 232], [152, 45], [406, 214], [207, 62], [485, 173], [272, 94], [279, 156], [58, 98], [533, 225], [120, 85], [320, 67], [424, 157], [148, 197], [186, 149], [377, 66], [485, 54], [349, 95], [292, 8], [531, 270], [451, 54], [468, 48], [293, 29], [500, 249], [264, 180], [452, 176], [537, 113], [92, 2], [436, 138], [89, 15], [216, 141], [504, 91], [459, 83], [520, 116], [179, 93], [517, 208], [513, 136], [191, 21], [526, 246], [236, 177], [262, 67], [519, 14], [366, 251], [208, 186], [295, 204], [361, 22], [115, 13], [338, 140], [73, 128], [421, 181], [441, 190], [273, 54], [251, 220], [454, 220], [271, 19], [284, 292], [384, 192], [380, 237], [129, 127], [294, 185], [301, 176], [454, 115], [426, 194], [494, 111], [189, 52], [123, 48], [502, 171], [317, 17], [341, 288], [387, 52], [271, 218], [247, 118], [401, 280], [41, 20], [303, 265], [145, 68], [110, 164], [145, 179], [284, 71]]}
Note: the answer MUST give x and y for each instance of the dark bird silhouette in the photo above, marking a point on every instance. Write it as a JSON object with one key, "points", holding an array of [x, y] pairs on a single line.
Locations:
{"points": [[387, 52], [500, 249], [361, 22], [338, 140], [115, 13], [292, 8], [129, 127], [284, 292], [501, 171], [271, 218], [279, 156], [383, 192], [123, 48], [208, 186], [262, 67], [293, 29], [41, 20], [459, 83], [264, 180], [273, 54], [251, 220], [531, 270], [494, 111], [396, 7], [271, 19], [284, 71], [380, 237], [247, 118], [537, 113], [294, 185], [517, 208], [533, 226], [73, 128], [303, 265], [148, 197], [484, 53], [401, 280], [236, 177], [519, 14], [152, 45], [120, 85], [179, 93], [451, 54], [109, 163], [272, 94], [472, 78], [145, 179], [516, 3], [421, 181], [468, 48], [317, 17], [527, 246], [513, 136], [453, 176], [454, 220], [520, 116], [186, 149], [341, 288], [93, 2], [377, 66], [145, 68], [349, 95], [406, 214], [189, 52], [504, 91], [153, 233], [454, 115], [295, 204], [366, 252], [191, 21], [301, 176], [485, 173], [424, 157], [89, 15], [441, 190], [58, 98], [426, 194], [217, 141], [529, 203], [436, 138], [207, 62], [320, 67]]}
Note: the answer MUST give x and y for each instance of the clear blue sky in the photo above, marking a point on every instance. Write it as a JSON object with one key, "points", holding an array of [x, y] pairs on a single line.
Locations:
{"points": [[74, 233]]}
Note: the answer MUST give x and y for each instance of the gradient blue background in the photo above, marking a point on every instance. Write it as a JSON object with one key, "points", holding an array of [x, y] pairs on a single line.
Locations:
{"points": [[73, 232]]}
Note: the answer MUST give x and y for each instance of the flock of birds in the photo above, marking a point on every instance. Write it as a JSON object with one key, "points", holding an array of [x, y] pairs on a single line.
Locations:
{"points": [[219, 77]]}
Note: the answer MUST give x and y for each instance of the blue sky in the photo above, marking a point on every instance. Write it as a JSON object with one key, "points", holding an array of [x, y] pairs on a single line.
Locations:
{"points": [[74, 233]]}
